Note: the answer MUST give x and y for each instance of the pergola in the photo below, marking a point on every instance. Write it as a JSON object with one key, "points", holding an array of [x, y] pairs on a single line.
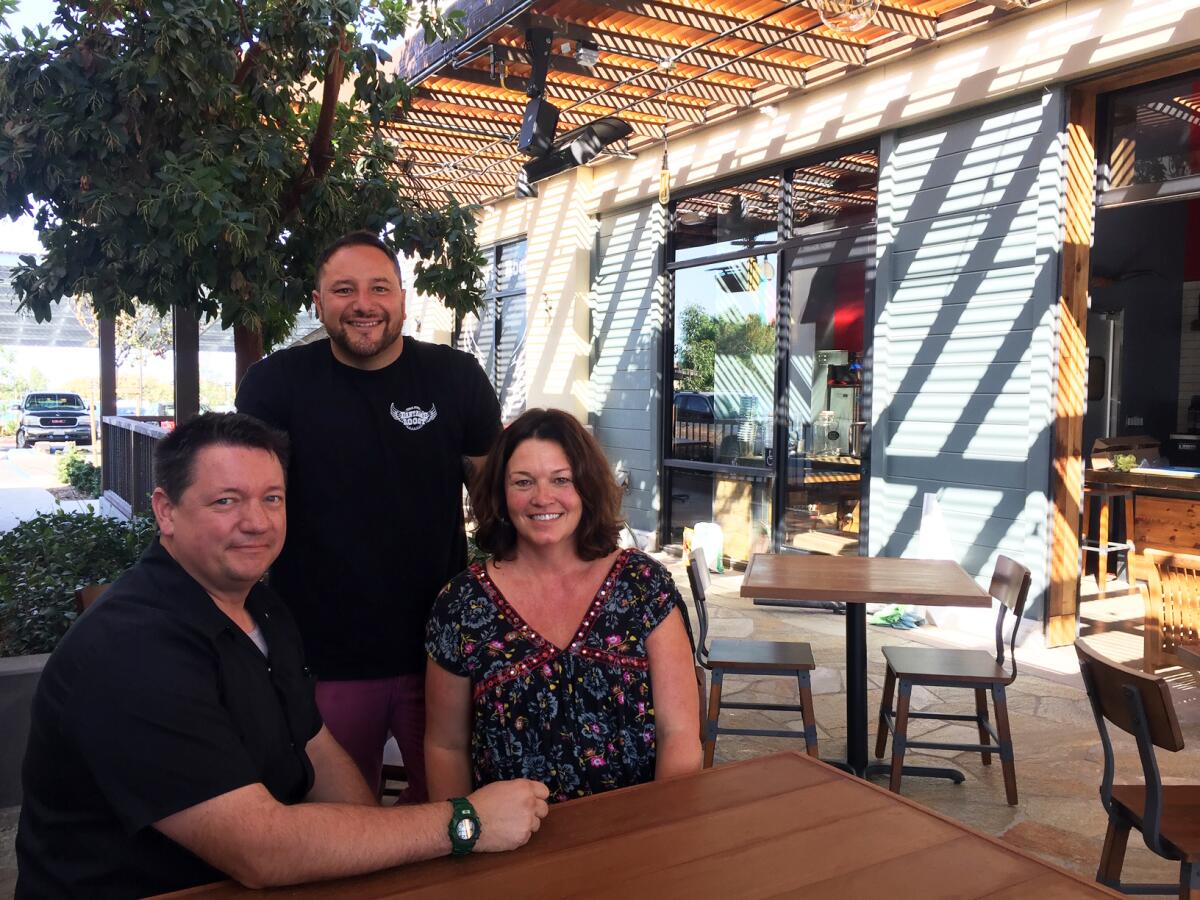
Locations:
{"points": [[665, 67]]}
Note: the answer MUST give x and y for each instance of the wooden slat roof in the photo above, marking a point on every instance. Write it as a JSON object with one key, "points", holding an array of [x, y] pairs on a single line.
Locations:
{"points": [[665, 66]]}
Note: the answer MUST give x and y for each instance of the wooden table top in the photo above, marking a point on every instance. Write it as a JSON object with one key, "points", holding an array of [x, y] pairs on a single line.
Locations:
{"points": [[861, 579], [781, 825]]}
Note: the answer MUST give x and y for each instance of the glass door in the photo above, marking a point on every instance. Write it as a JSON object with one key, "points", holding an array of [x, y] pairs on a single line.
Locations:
{"points": [[824, 465]]}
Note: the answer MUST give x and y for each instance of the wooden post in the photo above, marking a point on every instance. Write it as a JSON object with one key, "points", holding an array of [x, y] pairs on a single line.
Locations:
{"points": [[108, 367], [187, 363], [248, 349], [1067, 474]]}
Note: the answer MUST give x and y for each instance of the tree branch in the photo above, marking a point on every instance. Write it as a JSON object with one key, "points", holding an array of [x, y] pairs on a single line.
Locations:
{"points": [[320, 148], [247, 63]]}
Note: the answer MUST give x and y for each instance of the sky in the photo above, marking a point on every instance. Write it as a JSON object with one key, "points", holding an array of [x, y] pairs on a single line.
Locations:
{"points": [[19, 236]]}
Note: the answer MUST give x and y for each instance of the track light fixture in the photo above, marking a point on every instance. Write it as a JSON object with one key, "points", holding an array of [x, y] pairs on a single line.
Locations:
{"points": [[576, 148]]}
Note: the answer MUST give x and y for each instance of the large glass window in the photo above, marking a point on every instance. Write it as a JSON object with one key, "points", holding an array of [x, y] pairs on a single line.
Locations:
{"points": [[496, 336], [728, 383]]}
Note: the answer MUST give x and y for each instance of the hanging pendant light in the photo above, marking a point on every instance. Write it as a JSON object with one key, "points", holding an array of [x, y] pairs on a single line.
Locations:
{"points": [[664, 175], [847, 16]]}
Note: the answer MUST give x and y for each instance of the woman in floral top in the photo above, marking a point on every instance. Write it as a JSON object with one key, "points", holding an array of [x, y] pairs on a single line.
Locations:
{"points": [[563, 659]]}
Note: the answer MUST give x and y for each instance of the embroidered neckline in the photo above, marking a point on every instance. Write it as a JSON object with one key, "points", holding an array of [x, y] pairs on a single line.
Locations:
{"points": [[479, 571]]}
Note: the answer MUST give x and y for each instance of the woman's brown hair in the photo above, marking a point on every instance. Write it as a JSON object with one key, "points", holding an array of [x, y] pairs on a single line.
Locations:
{"points": [[600, 520]]}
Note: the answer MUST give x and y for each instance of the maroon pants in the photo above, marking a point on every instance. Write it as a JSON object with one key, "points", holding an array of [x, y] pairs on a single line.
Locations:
{"points": [[361, 714]]}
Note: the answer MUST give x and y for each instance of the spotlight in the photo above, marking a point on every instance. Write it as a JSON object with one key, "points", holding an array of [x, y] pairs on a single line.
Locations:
{"points": [[538, 127], [587, 54], [575, 149]]}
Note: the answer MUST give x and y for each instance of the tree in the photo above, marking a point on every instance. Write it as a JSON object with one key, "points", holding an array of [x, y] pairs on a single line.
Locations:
{"points": [[14, 383], [201, 152], [703, 336]]}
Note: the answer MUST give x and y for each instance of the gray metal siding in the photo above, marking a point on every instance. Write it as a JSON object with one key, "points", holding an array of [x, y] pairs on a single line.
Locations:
{"points": [[625, 404], [966, 299]]}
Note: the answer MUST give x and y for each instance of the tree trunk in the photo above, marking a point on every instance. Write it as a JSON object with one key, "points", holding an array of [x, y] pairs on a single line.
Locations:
{"points": [[247, 348]]}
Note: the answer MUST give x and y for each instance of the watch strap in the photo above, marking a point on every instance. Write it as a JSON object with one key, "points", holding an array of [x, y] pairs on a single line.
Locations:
{"points": [[463, 811]]}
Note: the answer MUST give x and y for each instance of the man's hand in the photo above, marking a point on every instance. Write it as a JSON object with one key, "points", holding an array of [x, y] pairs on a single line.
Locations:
{"points": [[509, 811]]}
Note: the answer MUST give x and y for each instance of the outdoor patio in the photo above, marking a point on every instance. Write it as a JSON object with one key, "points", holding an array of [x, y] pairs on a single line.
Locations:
{"points": [[1058, 756]]}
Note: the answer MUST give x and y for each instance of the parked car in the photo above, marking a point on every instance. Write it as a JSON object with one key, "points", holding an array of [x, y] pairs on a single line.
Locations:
{"points": [[708, 428], [53, 416]]}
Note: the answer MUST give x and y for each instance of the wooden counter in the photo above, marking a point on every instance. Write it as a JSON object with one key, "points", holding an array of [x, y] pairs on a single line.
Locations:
{"points": [[1166, 507]]}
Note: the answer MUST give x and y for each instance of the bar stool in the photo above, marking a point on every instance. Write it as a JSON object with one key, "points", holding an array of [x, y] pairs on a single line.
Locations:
{"points": [[1104, 495]]}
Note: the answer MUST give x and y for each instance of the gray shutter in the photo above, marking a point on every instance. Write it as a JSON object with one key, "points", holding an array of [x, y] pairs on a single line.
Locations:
{"points": [[626, 395], [963, 352], [511, 385]]}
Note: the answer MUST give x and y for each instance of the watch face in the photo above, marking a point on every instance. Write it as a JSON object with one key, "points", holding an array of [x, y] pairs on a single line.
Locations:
{"points": [[465, 829]]}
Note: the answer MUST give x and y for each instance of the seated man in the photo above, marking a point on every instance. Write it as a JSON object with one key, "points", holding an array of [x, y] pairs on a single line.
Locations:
{"points": [[175, 738]]}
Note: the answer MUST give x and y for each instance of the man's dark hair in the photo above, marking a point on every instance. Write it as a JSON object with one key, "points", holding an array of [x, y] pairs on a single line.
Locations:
{"points": [[175, 455], [600, 519], [359, 239]]}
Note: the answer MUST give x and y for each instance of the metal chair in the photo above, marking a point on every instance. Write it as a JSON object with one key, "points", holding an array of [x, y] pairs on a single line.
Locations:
{"points": [[742, 657], [972, 669], [1168, 816]]}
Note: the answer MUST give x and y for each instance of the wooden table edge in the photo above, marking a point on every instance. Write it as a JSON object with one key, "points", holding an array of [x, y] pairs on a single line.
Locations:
{"points": [[747, 589], [804, 759], [991, 839]]}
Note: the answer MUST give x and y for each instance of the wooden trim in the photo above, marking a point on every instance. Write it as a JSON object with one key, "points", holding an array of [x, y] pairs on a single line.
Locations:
{"points": [[1066, 478], [1140, 73]]}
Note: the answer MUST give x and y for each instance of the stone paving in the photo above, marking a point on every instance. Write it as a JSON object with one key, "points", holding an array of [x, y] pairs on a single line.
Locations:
{"points": [[1058, 755]]}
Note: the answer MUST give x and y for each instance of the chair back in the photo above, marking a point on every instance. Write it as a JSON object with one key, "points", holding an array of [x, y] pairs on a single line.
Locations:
{"points": [[89, 594], [698, 579], [1010, 585], [1141, 705], [1172, 602]]}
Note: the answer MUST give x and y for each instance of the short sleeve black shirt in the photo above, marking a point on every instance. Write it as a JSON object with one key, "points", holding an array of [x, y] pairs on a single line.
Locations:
{"points": [[153, 702], [375, 525]]}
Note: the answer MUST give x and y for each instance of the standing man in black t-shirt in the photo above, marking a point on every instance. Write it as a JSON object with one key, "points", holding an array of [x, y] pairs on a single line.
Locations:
{"points": [[379, 425]]}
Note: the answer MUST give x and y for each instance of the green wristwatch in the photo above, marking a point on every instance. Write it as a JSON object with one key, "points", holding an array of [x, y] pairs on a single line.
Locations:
{"points": [[465, 827]]}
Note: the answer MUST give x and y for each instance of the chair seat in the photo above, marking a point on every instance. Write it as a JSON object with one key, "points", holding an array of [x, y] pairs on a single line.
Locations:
{"points": [[951, 665], [1180, 825], [754, 655]]}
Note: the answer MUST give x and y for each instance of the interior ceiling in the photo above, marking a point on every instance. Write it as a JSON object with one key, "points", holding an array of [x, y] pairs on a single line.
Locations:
{"points": [[665, 66]]}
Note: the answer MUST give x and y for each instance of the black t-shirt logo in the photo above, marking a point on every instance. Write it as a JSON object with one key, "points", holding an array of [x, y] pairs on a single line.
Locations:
{"points": [[414, 418]]}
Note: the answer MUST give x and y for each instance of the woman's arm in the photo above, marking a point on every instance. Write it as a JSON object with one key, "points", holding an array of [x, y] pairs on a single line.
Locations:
{"points": [[676, 702], [447, 733]]}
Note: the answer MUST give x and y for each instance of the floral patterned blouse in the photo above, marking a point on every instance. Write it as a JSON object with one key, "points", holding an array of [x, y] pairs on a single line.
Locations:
{"points": [[579, 718]]}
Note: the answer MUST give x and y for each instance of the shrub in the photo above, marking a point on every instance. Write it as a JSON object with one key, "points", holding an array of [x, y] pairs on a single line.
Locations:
{"points": [[44, 560], [79, 472]]}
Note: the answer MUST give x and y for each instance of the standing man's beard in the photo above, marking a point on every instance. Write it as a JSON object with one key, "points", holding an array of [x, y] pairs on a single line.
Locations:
{"points": [[364, 346]]}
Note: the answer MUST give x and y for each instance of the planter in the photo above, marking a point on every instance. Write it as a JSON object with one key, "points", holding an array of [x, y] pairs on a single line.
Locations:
{"points": [[18, 680]]}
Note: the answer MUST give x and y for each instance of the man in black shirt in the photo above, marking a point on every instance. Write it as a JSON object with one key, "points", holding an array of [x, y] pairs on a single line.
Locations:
{"points": [[379, 425], [175, 737]]}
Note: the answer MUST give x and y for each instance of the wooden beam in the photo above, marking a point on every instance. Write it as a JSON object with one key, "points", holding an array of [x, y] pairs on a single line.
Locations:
{"points": [[574, 118], [475, 126], [763, 33], [1066, 481], [556, 87], [613, 67], [613, 40]]}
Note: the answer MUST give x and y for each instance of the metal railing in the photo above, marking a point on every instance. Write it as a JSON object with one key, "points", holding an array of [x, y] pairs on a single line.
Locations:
{"points": [[127, 462]]}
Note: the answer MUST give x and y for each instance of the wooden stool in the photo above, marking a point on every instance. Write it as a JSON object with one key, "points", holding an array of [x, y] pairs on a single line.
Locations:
{"points": [[1102, 546]]}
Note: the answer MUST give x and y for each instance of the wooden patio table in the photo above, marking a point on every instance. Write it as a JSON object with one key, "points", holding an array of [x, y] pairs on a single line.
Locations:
{"points": [[784, 579], [780, 825]]}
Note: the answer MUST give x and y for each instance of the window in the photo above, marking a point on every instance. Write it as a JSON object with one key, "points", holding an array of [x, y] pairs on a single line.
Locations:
{"points": [[496, 336], [1151, 141], [729, 458]]}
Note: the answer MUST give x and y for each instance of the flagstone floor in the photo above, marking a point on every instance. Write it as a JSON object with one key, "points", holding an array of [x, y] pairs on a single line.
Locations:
{"points": [[1059, 763]]}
